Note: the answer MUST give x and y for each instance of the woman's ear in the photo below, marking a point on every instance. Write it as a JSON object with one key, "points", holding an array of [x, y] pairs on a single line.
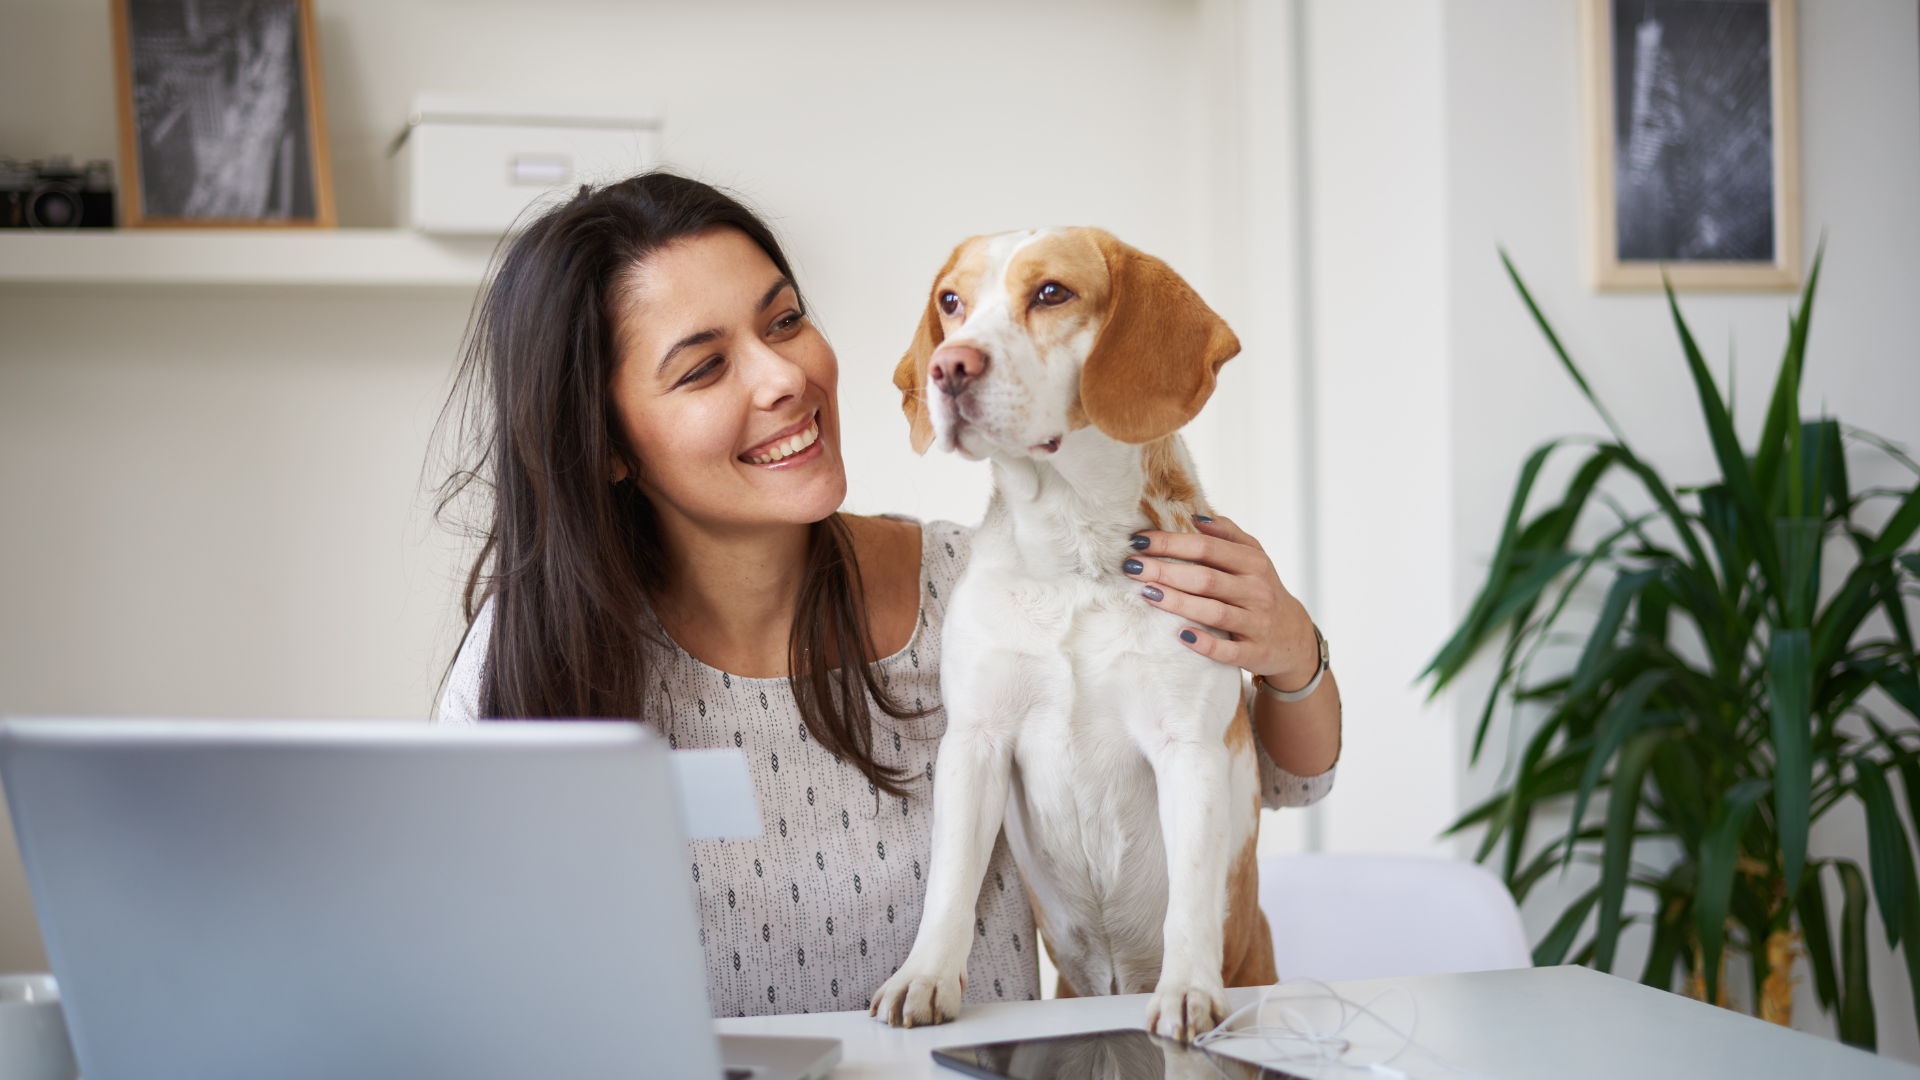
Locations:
{"points": [[910, 375], [1154, 364]]}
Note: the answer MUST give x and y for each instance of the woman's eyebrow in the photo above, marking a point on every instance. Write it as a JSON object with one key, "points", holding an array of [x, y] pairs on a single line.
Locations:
{"points": [[687, 342], [772, 294]]}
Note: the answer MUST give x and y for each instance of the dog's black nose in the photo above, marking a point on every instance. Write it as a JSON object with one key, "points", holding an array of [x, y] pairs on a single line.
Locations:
{"points": [[952, 367]]}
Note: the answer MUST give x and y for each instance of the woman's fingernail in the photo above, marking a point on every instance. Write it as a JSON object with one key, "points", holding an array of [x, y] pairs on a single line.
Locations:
{"points": [[1203, 517], [1187, 636], [1139, 543], [1132, 566], [1152, 593]]}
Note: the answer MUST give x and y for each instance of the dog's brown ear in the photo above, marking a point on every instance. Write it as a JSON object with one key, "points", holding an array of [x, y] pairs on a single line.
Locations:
{"points": [[1154, 364], [910, 375]]}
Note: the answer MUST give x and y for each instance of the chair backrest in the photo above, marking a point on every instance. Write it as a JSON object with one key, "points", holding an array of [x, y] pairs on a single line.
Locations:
{"points": [[1379, 916]]}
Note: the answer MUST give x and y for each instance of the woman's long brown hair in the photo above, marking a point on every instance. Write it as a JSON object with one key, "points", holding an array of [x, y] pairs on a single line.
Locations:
{"points": [[569, 558]]}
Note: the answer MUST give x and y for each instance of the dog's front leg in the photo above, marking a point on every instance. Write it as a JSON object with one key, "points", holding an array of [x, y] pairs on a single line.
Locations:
{"points": [[1194, 781], [969, 801]]}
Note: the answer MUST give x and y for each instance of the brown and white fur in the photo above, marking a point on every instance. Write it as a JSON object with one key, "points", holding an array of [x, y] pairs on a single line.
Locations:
{"points": [[1122, 762]]}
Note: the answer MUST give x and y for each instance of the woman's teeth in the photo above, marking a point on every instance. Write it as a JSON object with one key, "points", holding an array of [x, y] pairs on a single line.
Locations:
{"points": [[787, 447]]}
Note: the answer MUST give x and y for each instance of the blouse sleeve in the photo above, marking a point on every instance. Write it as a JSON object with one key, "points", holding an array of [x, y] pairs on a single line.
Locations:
{"points": [[460, 700], [1278, 787], [946, 549]]}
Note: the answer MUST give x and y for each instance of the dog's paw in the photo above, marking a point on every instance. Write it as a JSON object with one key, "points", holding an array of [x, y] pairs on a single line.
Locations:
{"points": [[919, 998], [1184, 1012]]}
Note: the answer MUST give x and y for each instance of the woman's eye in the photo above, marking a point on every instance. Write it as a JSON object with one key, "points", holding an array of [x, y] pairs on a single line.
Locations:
{"points": [[709, 367], [949, 302], [1052, 293], [786, 323]]}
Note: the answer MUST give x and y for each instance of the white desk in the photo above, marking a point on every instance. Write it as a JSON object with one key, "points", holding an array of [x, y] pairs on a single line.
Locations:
{"points": [[1564, 1023]]}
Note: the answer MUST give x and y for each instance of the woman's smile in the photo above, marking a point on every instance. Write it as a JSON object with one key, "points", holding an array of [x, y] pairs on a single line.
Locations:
{"points": [[791, 448]]}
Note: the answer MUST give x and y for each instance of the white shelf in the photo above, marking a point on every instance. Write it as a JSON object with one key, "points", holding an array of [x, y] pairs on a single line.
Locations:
{"points": [[382, 257]]}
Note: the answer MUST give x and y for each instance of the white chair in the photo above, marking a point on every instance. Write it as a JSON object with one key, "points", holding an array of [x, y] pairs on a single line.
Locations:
{"points": [[1386, 916]]}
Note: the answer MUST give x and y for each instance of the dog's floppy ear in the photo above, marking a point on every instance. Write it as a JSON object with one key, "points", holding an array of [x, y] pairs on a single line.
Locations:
{"points": [[1154, 363], [910, 375]]}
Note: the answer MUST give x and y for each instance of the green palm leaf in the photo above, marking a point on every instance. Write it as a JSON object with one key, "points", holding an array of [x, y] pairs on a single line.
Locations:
{"points": [[1726, 447], [1856, 992], [1791, 696], [1623, 806], [1811, 906], [1886, 845], [1718, 859]]}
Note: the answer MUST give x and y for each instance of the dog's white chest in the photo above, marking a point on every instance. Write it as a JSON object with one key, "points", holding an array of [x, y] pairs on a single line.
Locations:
{"points": [[1093, 685]]}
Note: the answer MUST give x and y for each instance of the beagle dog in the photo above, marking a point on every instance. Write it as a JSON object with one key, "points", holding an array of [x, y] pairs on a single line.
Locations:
{"points": [[1121, 763]]}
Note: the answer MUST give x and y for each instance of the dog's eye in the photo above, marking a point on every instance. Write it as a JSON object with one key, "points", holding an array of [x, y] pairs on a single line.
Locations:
{"points": [[949, 302], [1052, 293]]}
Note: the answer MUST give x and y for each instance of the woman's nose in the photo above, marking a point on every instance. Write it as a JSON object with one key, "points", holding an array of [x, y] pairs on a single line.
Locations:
{"points": [[776, 378]]}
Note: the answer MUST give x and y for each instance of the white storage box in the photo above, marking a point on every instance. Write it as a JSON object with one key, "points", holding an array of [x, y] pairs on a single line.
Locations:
{"points": [[474, 165]]}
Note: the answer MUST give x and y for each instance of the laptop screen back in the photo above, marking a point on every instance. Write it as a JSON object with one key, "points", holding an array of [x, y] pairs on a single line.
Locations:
{"points": [[259, 898]]}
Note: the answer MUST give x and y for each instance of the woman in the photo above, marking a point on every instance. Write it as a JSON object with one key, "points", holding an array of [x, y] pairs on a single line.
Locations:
{"points": [[658, 430]]}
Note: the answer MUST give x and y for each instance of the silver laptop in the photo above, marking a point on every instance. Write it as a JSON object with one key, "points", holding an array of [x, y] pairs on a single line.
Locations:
{"points": [[248, 899]]}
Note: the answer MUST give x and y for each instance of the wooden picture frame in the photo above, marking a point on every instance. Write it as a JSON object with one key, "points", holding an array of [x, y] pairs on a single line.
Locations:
{"points": [[1701, 201], [222, 119]]}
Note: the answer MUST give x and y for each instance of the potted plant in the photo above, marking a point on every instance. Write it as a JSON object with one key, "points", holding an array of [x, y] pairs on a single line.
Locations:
{"points": [[1716, 747]]}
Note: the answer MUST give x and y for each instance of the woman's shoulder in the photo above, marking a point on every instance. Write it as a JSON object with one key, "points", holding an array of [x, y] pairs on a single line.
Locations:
{"points": [[944, 545], [942, 550]]}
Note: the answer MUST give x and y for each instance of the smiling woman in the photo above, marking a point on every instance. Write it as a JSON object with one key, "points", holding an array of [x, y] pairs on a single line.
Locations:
{"points": [[654, 422]]}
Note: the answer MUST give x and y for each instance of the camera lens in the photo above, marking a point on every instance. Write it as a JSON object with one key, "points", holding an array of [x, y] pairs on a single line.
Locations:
{"points": [[54, 206]]}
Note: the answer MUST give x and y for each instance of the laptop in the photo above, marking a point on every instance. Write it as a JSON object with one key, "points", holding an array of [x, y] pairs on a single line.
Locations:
{"points": [[246, 899]]}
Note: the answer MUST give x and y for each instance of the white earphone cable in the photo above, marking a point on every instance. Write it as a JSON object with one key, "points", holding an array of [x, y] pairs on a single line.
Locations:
{"points": [[1290, 1037]]}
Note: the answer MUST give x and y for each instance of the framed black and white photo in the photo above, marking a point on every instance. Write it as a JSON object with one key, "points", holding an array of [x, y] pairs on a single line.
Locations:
{"points": [[221, 122], [1694, 143]]}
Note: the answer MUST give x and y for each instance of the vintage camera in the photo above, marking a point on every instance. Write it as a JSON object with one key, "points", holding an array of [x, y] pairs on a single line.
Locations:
{"points": [[53, 195]]}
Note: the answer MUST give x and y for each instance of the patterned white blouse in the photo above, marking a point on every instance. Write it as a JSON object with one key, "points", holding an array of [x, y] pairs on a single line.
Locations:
{"points": [[819, 911]]}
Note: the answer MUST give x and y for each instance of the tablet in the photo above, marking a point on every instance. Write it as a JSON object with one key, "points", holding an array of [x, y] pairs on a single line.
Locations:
{"points": [[1124, 1054]]}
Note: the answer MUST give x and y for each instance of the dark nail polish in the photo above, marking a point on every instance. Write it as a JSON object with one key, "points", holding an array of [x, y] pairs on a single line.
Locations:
{"points": [[1187, 636], [1132, 566], [1152, 593], [1139, 543], [1203, 517]]}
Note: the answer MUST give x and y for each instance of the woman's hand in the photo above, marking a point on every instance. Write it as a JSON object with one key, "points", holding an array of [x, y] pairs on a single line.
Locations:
{"points": [[1231, 586]]}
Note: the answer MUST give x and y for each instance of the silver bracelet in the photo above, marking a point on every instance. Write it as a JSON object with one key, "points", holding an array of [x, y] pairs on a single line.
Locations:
{"points": [[1306, 691]]}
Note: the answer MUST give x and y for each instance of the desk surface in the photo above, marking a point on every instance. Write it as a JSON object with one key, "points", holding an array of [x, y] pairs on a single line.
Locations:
{"points": [[1565, 1023]]}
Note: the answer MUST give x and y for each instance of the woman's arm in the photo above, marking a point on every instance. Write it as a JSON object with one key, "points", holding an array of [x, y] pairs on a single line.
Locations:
{"points": [[1302, 737], [1227, 582]]}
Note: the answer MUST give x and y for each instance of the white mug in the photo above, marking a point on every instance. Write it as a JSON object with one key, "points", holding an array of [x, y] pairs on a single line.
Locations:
{"points": [[33, 1033]]}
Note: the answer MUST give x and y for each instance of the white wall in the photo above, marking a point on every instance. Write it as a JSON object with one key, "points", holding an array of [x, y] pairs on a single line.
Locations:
{"points": [[1515, 174], [1377, 294]]}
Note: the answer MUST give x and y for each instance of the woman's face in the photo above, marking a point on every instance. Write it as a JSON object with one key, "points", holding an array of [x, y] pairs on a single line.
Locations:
{"points": [[725, 390]]}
